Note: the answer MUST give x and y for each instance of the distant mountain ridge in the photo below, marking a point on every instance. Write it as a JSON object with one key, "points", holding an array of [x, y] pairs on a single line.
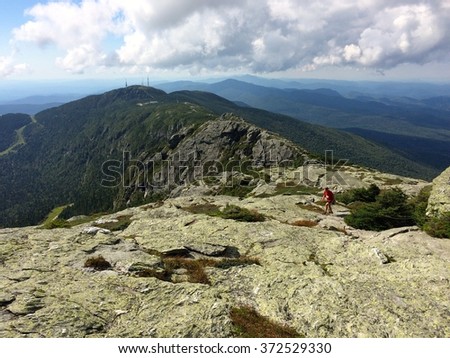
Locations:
{"points": [[347, 88], [35, 104], [422, 120], [29, 109], [67, 147], [316, 139]]}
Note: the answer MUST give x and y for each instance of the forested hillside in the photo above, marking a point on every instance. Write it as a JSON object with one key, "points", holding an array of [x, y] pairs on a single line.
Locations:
{"points": [[9, 124], [317, 139], [418, 129], [61, 162]]}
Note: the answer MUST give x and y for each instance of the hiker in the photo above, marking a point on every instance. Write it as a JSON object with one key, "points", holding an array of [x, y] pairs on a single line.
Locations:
{"points": [[329, 197]]}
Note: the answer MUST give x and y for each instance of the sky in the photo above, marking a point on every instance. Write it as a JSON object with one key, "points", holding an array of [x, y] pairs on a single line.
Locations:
{"points": [[335, 39]]}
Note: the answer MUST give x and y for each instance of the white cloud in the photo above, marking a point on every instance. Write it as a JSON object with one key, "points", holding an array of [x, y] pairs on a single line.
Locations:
{"points": [[78, 29], [81, 57], [254, 35], [67, 24], [8, 66], [407, 33], [352, 52]]}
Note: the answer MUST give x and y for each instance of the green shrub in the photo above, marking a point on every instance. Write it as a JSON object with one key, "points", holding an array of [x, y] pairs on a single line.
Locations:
{"points": [[233, 212], [56, 224], [364, 195], [390, 210], [293, 188], [438, 226], [419, 205], [241, 214]]}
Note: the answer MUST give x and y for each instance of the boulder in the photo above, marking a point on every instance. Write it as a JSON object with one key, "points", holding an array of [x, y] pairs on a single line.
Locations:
{"points": [[92, 230], [439, 201]]}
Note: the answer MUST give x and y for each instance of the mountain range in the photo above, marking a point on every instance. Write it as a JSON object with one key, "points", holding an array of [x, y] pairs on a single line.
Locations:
{"points": [[59, 155], [418, 129], [185, 214], [34, 104]]}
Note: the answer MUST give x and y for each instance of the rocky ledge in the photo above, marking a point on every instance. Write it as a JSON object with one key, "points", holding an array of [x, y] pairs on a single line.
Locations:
{"points": [[439, 202], [176, 271]]}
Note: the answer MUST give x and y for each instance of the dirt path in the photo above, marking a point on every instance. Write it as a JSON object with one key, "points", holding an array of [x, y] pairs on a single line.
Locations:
{"points": [[20, 138]]}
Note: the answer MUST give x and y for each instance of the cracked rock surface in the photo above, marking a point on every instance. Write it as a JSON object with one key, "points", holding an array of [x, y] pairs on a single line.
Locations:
{"points": [[321, 281]]}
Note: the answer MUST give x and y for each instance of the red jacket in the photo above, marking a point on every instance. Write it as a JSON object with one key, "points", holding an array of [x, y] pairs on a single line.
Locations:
{"points": [[329, 196]]}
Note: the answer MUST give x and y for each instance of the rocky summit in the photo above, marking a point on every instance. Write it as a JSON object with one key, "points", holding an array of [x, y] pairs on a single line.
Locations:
{"points": [[217, 149], [179, 267]]}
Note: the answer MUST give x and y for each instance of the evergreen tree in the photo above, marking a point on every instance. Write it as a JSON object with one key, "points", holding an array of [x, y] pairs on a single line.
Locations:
{"points": [[389, 210]]}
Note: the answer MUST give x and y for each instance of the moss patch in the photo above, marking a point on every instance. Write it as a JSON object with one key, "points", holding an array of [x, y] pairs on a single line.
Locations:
{"points": [[194, 269], [241, 214], [98, 263], [61, 223], [49, 222], [305, 223], [311, 207], [56, 224], [233, 212], [239, 191], [250, 324], [291, 188]]}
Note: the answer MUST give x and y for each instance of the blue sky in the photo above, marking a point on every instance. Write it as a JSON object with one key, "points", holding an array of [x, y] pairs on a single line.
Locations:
{"points": [[341, 39]]}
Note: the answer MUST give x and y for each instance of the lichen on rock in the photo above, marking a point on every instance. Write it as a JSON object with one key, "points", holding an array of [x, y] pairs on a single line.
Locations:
{"points": [[439, 201], [318, 281]]}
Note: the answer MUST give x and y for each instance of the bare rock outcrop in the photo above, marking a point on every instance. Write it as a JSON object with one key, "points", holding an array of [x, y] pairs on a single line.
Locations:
{"points": [[439, 201], [222, 148], [320, 281]]}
